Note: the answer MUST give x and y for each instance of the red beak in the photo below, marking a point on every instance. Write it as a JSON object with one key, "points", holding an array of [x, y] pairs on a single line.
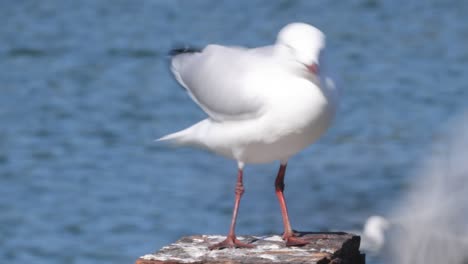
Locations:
{"points": [[313, 68]]}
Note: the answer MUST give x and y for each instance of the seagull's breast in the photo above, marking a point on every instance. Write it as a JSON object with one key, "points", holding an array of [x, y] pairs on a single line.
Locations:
{"points": [[296, 115]]}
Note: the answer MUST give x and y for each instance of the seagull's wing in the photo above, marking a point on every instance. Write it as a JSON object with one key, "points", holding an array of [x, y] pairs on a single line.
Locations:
{"points": [[223, 81]]}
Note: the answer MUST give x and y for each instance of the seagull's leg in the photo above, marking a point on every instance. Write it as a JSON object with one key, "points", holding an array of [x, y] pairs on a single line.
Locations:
{"points": [[231, 240], [288, 234]]}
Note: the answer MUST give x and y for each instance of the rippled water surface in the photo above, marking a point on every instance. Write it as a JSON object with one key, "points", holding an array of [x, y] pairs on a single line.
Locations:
{"points": [[85, 88]]}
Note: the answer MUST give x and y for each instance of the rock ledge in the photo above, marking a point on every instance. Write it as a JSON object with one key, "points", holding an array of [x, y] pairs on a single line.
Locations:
{"points": [[324, 248]]}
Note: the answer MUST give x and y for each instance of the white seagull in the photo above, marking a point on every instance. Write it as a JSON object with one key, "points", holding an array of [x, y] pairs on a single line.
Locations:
{"points": [[263, 104]]}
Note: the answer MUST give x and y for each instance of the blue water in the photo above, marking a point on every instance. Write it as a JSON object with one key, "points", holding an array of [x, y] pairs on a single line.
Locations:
{"points": [[85, 88]]}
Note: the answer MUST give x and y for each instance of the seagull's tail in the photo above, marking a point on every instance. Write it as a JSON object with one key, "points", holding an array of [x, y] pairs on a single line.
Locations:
{"points": [[176, 138], [187, 137]]}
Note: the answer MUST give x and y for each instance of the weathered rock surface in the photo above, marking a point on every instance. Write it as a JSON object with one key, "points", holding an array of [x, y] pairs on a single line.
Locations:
{"points": [[323, 248]]}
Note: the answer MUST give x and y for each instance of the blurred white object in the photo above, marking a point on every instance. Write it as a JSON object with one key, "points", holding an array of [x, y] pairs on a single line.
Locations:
{"points": [[429, 224], [264, 104], [433, 215], [373, 234]]}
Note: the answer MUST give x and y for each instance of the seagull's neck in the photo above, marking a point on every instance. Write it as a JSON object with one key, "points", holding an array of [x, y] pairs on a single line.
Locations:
{"points": [[281, 50]]}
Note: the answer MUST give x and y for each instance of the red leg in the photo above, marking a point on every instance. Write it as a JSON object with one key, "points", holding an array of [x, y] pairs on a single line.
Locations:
{"points": [[231, 240], [288, 234]]}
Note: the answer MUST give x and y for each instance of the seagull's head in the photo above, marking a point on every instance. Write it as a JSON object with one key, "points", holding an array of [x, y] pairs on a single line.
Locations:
{"points": [[304, 43]]}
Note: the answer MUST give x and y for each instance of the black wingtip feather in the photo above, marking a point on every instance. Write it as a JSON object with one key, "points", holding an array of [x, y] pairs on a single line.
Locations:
{"points": [[178, 51]]}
